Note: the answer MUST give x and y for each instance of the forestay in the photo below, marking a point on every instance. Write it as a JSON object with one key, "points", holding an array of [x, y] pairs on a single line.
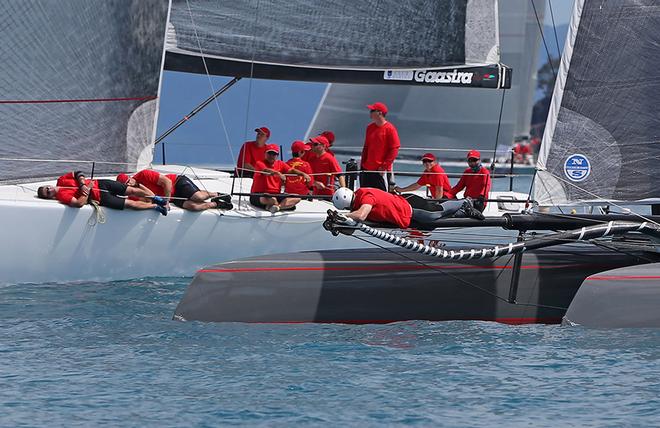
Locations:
{"points": [[433, 42], [79, 81], [602, 140]]}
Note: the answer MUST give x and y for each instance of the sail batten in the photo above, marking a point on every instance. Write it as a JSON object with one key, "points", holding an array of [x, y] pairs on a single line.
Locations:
{"points": [[602, 139]]}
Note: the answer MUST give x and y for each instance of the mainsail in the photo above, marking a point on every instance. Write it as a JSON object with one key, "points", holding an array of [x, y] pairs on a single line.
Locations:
{"points": [[80, 82], [602, 140], [439, 42]]}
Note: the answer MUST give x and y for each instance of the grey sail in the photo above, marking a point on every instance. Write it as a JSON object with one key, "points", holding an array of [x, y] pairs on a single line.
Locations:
{"points": [[384, 41], [602, 141], [446, 118], [80, 82]]}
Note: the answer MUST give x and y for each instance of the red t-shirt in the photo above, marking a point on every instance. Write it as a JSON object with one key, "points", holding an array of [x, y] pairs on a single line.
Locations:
{"points": [[263, 183], [436, 177], [475, 184], [67, 189], [386, 207], [381, 146], [251, 153], [297, 185], [149, 179], [325, 164]]}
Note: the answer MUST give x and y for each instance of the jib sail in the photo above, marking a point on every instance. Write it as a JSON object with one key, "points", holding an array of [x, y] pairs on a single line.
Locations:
{"points": [[437, 43], [602, 140], [80, 81]]}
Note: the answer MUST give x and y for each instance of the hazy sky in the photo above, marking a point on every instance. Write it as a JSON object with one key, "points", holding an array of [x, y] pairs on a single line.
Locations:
{"points": [[285, 107]]}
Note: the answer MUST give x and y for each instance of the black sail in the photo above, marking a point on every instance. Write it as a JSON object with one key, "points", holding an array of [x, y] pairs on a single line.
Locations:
{"points": [[80, 81], [373, 41], [602, 141]]}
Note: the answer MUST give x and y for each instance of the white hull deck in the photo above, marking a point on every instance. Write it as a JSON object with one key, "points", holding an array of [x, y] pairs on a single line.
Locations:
{"points": [[45, 241]]}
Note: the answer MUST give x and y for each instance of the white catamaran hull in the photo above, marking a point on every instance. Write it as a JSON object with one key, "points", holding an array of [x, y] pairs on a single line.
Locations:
{"points": [[49, 242]]}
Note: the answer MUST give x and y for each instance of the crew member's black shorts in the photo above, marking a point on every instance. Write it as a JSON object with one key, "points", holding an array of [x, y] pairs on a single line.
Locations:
{"points": [[110, 192], [254, 200], [374, 180], [183, 188]]}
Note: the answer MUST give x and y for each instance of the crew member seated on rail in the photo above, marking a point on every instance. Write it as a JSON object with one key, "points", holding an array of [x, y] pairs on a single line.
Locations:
{"points": [[252, 152], [475, 180], [381, 207], [296, 184], [434, 177], [325, 167], [268, 178], [178, 188], [74, 190]]}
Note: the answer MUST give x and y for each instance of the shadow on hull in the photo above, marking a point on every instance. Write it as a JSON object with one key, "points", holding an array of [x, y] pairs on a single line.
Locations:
{"points": [[376, 286]]}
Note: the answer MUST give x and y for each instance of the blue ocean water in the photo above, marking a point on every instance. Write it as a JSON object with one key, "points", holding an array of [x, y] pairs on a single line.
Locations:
{"points": [[108, 353]]}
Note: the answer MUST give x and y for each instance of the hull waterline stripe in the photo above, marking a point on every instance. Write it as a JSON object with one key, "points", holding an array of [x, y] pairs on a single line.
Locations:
{"points": [[376, 268], [622, 277], [85, 100]]}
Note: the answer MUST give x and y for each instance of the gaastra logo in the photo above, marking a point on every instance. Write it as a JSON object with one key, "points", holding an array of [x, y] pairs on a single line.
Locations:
{"points": [[462, 77], [577, 167]]}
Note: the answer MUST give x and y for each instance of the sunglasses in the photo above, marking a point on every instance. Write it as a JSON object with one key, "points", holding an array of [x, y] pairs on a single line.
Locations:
{"points": [[427, 161], [473, 160], [272, 153]]}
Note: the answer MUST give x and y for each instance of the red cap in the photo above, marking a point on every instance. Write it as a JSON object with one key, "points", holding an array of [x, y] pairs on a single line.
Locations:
{"points": [[329, 135], [272, 148], [263, 130], [474, 154], [299, 146], [320, 139], [378, 106], [123, 178], [428, 156]]}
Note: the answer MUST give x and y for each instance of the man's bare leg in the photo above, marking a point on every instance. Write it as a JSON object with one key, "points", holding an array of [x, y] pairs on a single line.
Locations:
{"points": [[268, 201], [288, 203], [198, 206], [138, 205], [203, 195]]}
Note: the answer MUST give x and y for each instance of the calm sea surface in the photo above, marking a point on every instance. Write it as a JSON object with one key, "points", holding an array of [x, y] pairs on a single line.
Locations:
{"points": [[109, 353]]}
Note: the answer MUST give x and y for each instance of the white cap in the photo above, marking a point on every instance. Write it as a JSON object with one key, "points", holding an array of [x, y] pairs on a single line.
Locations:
{"points": [[342, 198]]}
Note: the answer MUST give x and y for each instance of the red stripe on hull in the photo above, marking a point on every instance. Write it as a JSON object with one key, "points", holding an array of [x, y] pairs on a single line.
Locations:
{"points": [[375, 268], [622, 277]]}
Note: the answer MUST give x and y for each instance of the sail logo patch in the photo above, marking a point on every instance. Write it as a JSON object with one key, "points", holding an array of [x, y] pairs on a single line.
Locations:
{"points": [[577, 167], [431, 76]]}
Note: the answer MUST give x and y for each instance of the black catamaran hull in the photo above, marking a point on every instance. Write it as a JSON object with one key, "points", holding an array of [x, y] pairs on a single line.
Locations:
{"points": [[376, 286]]}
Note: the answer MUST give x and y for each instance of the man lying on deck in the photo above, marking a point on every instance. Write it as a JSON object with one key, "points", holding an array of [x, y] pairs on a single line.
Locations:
{"points": [[184, 193], [381, 207], [74, 190]]}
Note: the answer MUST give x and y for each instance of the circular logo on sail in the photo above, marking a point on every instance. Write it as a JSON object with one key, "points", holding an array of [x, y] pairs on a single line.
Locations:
{"points": [[577, 167]]}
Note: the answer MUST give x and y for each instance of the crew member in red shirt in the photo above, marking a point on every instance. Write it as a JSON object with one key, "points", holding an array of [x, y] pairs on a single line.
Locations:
{"points": [[475, 180], [330, 136], [252, 152], [379, 206], [297, 185], [74, 190], [268, 178], [381, 147], [325, 168], [434, 176], [181, 189]]}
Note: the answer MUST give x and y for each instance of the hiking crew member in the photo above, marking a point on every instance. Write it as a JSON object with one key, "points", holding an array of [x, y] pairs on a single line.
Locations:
{"points": [[252, 152], [268, 178], [381, 146], [382, 207], [326, 165], [185, 193], [296, 184], [434, 177], [475, 180], [74, 190]]}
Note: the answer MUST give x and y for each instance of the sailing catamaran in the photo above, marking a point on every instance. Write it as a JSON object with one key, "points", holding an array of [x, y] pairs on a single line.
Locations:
{"points": [[81, 92], [600, 147]]}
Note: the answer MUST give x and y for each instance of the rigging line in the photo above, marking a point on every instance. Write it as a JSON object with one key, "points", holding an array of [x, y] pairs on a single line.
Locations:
{"points": [[466, 282], [547, 51], [208, 76], [497, 134], [554, 28], [610, 202]]}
